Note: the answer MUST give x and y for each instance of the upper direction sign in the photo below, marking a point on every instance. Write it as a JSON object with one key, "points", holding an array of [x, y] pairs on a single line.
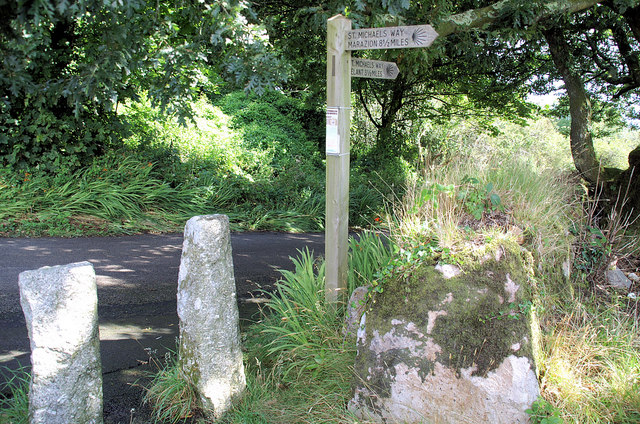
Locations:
{"points": [[365, 68], [400, 37]]}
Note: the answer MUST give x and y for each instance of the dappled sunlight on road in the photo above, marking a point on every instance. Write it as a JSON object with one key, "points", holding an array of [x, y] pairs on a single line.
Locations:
{"points": [[10, 355], [45, 251], [137, 278], [113, 331]]}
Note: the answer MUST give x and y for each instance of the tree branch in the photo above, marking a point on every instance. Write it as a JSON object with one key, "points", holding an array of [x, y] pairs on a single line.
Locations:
{"points": [[486, 16], [630, 57], [366, 108]]}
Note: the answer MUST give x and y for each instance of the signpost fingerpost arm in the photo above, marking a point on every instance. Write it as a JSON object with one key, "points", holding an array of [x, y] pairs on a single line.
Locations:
{"points": [[337, 156]]}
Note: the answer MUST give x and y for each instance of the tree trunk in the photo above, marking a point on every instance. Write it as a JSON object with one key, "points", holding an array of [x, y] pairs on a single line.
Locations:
{"points": [[584, 156], [390, 109], [633, 20], [628, 185], [390, 103]]}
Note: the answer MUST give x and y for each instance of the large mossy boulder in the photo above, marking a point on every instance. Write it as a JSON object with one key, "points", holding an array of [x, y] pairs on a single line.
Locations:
{"points": [[445, 344]]}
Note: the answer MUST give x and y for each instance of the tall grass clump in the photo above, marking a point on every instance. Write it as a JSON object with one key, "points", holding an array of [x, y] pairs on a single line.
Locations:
{"points": [[303, 328], [591, 365], [14, 397], [117, 189], [515, 183], [298, 351], [170, 395], [451, 202], [369, 252]]}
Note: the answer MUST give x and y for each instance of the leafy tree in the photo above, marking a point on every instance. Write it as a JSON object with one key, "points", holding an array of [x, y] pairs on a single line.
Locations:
{"points": [[448, 78], [66, 65], [596, 54], [488, 58]]}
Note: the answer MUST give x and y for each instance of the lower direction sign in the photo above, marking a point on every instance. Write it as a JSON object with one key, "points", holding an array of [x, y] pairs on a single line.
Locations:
{"points": [[365, 68]]}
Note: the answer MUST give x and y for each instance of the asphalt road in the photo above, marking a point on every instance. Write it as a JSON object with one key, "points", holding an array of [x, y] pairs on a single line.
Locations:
{"points": [[137, 279]]}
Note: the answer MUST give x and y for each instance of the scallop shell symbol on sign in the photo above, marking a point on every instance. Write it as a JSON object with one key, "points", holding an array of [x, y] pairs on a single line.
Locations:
{"points": [[391, 70], [420, 36]]}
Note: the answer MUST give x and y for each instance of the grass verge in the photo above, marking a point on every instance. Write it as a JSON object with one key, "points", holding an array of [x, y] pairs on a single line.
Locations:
{"points": [[297, 361], [14, 398], [589, 353]]}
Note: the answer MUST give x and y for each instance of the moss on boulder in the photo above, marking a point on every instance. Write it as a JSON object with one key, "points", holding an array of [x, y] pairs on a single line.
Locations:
{"points": [[441, 343]]}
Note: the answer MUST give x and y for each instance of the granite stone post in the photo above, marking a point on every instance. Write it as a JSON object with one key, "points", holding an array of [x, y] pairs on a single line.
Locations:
{"points": [[210, 352], [60, 306]]}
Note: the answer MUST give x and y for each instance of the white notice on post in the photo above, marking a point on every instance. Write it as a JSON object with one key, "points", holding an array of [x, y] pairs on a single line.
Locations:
{"points": [[333, 137]]}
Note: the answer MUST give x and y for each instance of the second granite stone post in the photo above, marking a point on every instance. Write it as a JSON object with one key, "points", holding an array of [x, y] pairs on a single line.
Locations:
{"points": [[210, 352]]}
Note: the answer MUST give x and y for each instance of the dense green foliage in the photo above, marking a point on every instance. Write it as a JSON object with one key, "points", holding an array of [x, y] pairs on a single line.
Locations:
{"points": [[603, 45], [67, 66], [257, 159], [467, 73], [258, 165]]}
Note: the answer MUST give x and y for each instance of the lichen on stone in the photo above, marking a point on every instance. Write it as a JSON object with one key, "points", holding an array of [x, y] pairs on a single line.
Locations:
{"points": [[470, 316], [434, 344]]}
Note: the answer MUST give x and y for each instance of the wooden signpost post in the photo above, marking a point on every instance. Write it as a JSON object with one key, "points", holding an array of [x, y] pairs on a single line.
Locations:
{"points": [[341, 40], [337, 191]]}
